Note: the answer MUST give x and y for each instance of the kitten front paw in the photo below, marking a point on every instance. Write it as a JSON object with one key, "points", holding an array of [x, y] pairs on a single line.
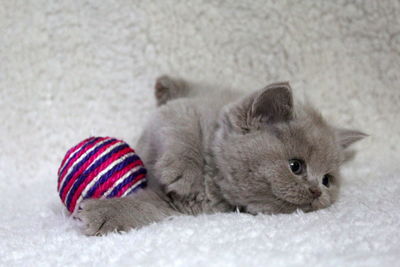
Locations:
{"points": [[179, 177], [101, 216]]}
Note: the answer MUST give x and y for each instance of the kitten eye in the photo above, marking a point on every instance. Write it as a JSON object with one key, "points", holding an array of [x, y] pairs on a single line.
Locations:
{"points": [[296, 166], [326, 180]]}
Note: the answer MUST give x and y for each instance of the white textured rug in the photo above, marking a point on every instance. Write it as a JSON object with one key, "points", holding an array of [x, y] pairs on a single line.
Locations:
{"points": [[71, 69]]}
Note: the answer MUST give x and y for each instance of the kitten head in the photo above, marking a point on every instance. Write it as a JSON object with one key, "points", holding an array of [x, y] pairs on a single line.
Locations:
{"points": [[276, 158]]}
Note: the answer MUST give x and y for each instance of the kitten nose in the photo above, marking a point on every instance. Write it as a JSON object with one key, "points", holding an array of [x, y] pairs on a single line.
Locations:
{"points": [[315, 192]]}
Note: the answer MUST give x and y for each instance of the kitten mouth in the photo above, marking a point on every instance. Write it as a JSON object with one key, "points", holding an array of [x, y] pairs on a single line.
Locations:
{"points": [[296, 202], [319, 204], [311, 206]]}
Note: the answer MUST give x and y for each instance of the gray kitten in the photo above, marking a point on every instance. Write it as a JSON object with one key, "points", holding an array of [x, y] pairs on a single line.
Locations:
{"points": [[220, 152]]}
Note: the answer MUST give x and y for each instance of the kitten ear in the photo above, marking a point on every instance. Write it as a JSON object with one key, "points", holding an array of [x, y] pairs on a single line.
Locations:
{"points": [[270, 105], [274, 103], [347, 137]]}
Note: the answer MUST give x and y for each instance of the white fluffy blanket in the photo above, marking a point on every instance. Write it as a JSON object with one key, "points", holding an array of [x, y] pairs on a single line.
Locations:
{"points": [[71, 69]]}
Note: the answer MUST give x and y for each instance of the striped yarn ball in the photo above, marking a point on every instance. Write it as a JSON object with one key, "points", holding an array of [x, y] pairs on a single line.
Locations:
{"points": [[99, 167]]}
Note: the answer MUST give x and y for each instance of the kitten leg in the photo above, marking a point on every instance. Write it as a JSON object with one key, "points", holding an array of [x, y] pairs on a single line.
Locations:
{"points": [[167, 88], [101, 216], [171, 147], [180, 168], [180, 175]]}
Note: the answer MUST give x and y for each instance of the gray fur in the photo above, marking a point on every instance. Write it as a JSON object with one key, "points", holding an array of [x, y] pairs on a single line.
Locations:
{"points": [[219, 152]]}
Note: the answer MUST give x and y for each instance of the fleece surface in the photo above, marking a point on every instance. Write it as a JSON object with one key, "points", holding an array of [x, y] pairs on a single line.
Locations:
{"points": [[71, 69]]}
